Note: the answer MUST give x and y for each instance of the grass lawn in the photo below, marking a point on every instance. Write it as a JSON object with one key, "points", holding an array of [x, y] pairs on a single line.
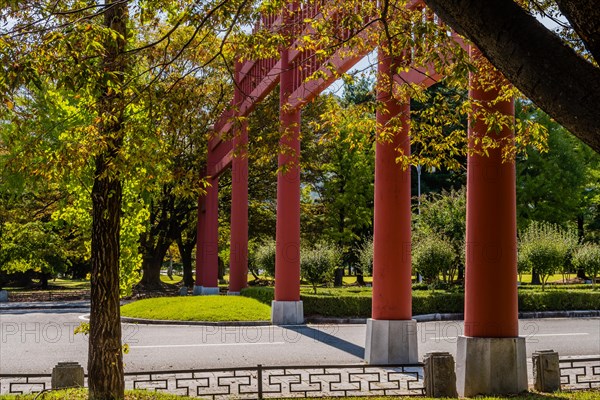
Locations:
{"points": [[176, 279], [199, 308], [75, 284], [80, 394]]}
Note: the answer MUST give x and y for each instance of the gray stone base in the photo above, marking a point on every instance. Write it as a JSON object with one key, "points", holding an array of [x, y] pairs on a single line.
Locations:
{"points": [[490, 366], [67, 375], [287, 312], [391, 342], [233, 293], [205, 291]]}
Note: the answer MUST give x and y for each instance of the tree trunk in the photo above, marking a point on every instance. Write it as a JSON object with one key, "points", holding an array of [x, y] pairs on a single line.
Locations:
{"points": [[338, 280], [534, 59], [105, 357], [185, 250], [535, 278], [152, 264]]}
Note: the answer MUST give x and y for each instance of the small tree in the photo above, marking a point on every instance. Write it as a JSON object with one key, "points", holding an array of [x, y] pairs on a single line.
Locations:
{"points": [[523, 265], [317, 264], [264, 257], [587, 257], [431, 255], [365, 256], [545, 247]]}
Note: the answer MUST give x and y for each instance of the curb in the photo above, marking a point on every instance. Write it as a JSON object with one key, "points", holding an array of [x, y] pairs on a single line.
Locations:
{"points": [[43, 306], [359, 321]]}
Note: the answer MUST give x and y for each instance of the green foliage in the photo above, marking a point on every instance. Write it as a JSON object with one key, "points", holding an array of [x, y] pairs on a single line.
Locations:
{"points": [[365, 256], [587, 257], [431, 255], [198, 308], [558, 300], [317, 264], [264, 257], [443, 215], [545, 247], [32, 246], [263, 294]]}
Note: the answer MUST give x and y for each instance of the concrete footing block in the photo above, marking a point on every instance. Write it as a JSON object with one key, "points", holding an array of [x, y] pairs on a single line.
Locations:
{"points": [[287, 312], [391, 342], [67, 375], [546, 371], [205, 291], [440, 379], [3, 296], [490, 366]]}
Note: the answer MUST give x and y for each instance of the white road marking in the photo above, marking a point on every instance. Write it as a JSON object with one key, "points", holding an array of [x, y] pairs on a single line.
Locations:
{"points": [[527, 336], [169, 346]]}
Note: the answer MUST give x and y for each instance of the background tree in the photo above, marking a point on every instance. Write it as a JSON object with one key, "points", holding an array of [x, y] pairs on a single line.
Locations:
{"points": [[539, 62], [545, 247]]}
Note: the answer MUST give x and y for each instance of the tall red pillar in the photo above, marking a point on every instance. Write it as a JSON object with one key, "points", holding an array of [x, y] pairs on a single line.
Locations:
{"points": [[238, 259], [391, 334], [207, 257], [491, 252], [491, 341], [287, 307]]}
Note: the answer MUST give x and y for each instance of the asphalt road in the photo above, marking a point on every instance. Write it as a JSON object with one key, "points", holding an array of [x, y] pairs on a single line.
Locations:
{"points": [[34, 341]]}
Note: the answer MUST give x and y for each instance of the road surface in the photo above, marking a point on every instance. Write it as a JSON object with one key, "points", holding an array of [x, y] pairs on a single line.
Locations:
{"points": [[34, 341]]}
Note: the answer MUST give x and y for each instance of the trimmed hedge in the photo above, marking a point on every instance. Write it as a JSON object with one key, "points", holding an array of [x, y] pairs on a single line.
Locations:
{"points": [[345, 303]]}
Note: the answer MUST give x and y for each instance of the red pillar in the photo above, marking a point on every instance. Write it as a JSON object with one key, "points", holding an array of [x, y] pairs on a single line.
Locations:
{"points": [[392, 295], [208, 240], [491, 260], [287, 261], [200, 237], [238, 260]]}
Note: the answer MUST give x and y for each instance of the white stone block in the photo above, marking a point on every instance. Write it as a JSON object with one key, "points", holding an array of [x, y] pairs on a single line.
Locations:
{"points": [[391, 342], [287, 312], [490, 366], [205, 291]]}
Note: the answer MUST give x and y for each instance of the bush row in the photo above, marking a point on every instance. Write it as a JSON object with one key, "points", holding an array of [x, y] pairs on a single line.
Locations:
{"points": [[359, 305]]}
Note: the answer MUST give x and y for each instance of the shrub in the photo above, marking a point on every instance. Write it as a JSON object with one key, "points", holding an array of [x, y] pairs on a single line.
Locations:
{"points": [[587, 257], [357, 303], [264, 257], [365, 256], [317, 264], [431, 256], [263, 294], [545, 248]]}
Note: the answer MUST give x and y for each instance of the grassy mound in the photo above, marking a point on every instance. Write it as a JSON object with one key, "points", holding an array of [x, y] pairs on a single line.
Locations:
{"points": [[199, 308]]}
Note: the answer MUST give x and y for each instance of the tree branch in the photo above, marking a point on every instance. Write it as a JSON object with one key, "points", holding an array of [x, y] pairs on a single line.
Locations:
{"points": [[532, 58]]}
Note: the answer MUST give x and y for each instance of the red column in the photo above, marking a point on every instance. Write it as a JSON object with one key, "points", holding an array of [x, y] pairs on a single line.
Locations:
{"points": [[200, 238], [208, 250], [491, 260], [392, 295], [287, 261], [238, 260]]}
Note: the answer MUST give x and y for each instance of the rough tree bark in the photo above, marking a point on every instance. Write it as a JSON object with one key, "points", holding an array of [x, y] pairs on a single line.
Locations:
{"points": [[186, 247], [105, 359], [534, 59]]}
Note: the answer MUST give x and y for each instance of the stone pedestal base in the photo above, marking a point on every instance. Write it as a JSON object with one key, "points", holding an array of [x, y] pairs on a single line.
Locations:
{"points": [[67, 375], [233, 293], [205, 291], [287, 312], [490, 366], [391, 342]]}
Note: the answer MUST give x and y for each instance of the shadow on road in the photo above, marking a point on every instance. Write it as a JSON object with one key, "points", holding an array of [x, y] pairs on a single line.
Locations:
{"points": [[326, 335]]}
